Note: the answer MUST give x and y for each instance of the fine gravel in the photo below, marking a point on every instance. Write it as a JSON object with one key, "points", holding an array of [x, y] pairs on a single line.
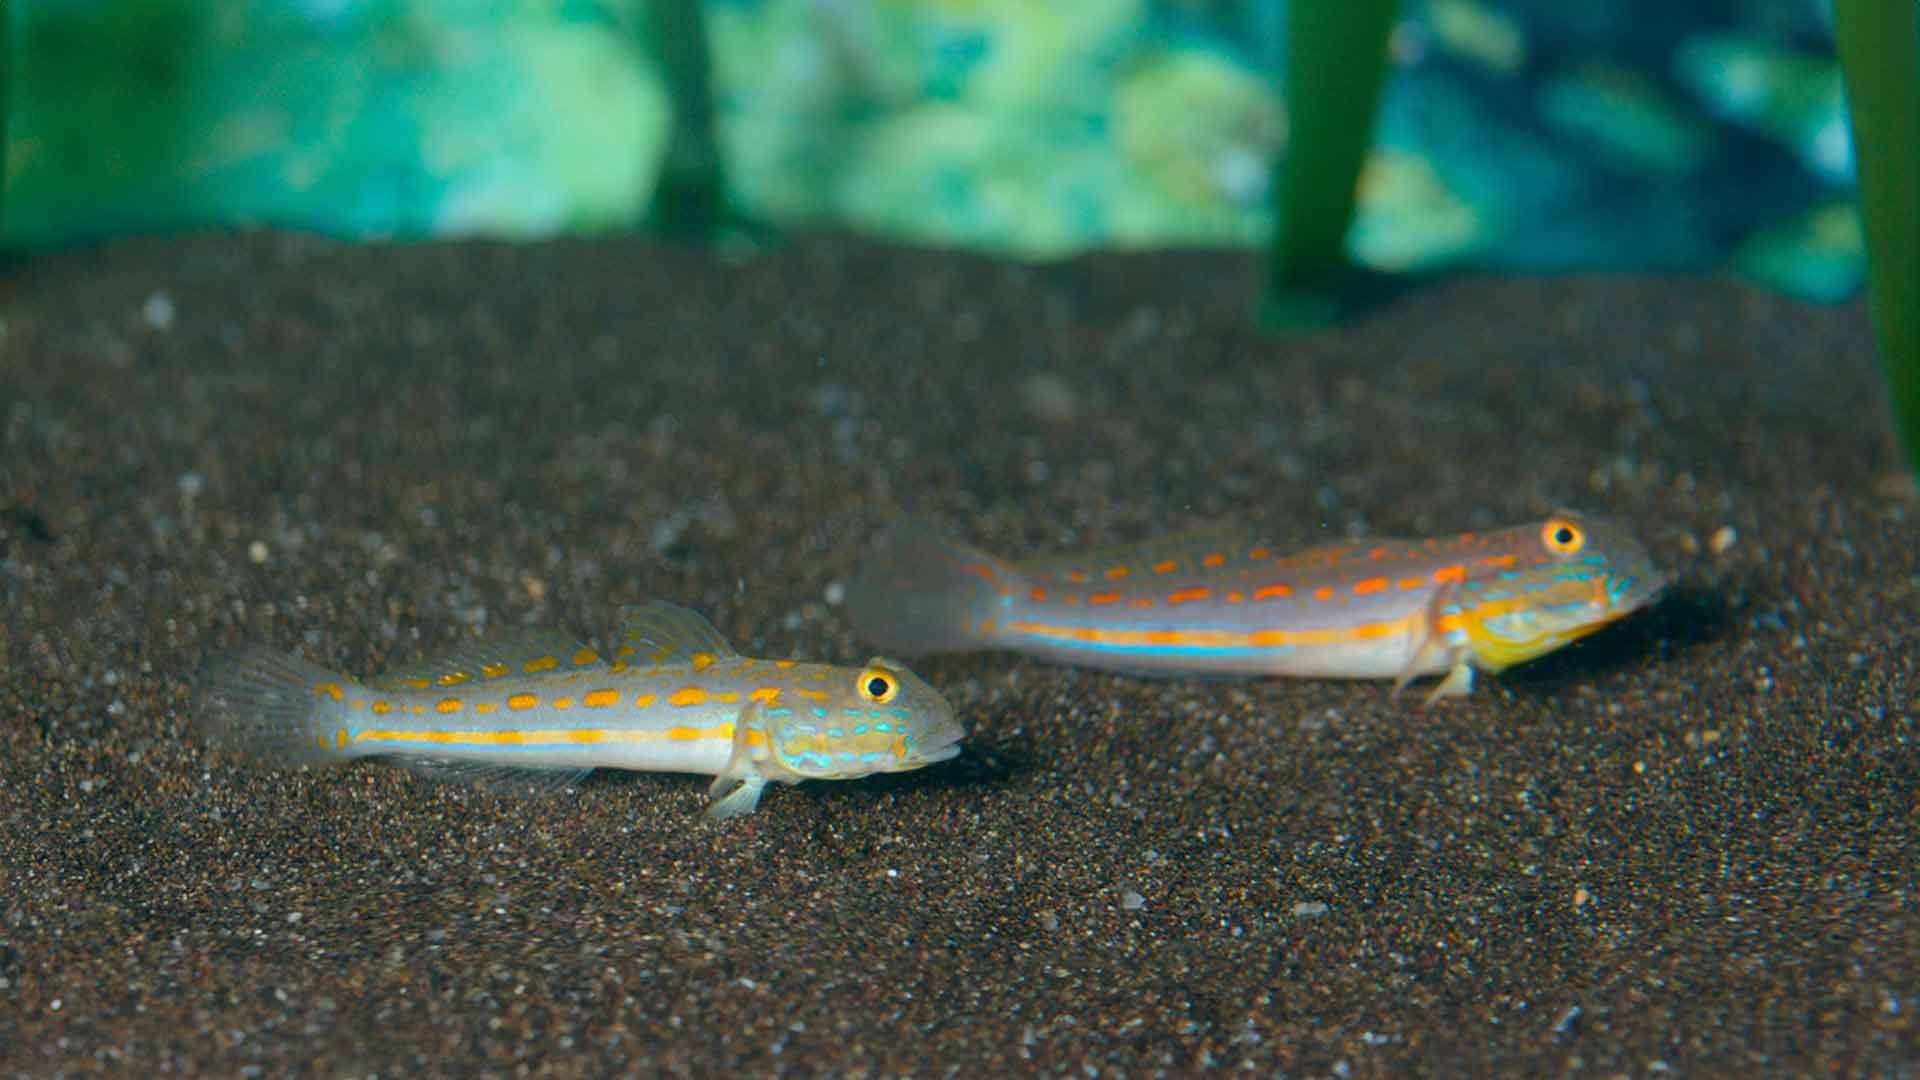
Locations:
{"points": [[1686, 844]]}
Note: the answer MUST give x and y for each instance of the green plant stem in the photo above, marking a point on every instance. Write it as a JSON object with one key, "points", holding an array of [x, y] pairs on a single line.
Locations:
{"points": [[689, 196], [1336, 63], [6, 86], [1880, 55]]}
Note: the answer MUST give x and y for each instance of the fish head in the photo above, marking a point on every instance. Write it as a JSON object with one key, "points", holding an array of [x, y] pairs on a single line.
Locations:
{"points": [[876, 718], [1569, 577]]}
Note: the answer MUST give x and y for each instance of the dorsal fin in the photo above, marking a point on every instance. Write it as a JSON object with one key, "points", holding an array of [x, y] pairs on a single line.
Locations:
{"points": [[657, 632], [512, 654]]}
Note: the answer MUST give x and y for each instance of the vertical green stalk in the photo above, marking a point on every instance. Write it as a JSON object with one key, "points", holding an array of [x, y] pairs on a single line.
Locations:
{"points": [[1336, 62], [1880, 56], [688, 198], [6, 86]]}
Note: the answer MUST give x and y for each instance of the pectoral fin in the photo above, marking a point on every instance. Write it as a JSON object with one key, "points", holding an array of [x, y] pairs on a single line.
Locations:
{"points": [[1428, 645], [736, 790]]}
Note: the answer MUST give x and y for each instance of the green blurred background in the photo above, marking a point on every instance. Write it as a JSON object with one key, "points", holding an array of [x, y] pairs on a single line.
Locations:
{"points": [[1527, 135]]}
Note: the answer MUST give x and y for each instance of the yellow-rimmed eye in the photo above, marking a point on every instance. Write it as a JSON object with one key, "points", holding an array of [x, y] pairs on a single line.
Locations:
{"points": [[878, 685], [1563, 537]]}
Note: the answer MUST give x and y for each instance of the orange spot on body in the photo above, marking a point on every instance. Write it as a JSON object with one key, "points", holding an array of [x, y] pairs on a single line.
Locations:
{"points": [[563, 703], [1235, 598], [494, 671], [539, 664], [768, 694], [450, 705], [702, 661], [1324, 592], [1369, 586], [600, 699], [980, 570], [1449, 573], [1260, 554], [1188, 596], [1115, 573], [1500, 562], [1142, 602], [1379, 553], [1213, 560], [1166, 566], [328, 689], [645, 701], [813, 695], [415, 684], [784, 664], [522, 702], [382, 708], [1104, 598], [1038, 595], [1078, 577], [687, 695], [454, 678], [1273, 592], [486, 708], [1412, 583], [585, 657]]}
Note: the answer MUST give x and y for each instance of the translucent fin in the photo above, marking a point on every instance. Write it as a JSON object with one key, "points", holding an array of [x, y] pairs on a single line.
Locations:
{"points": [[269, 705], [515, 653], [657, 632], [735, 791], [1458, 683], [739, 802], [919, 593], [506, 779]]}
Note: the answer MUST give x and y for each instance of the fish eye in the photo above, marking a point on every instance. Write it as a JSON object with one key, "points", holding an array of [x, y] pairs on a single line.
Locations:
{"points": [[1563, 537], [878, 685]]}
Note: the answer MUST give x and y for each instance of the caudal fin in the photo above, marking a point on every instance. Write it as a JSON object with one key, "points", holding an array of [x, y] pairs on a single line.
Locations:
{"points": [[920, 593], [269, 705]]}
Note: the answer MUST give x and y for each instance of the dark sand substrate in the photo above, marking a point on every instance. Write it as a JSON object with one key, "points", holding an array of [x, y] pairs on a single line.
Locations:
{"points": [[1689, 843]]}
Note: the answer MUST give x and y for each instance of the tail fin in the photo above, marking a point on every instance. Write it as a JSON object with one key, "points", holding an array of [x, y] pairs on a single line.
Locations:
{"points": [[920, 593], [269, 705]]}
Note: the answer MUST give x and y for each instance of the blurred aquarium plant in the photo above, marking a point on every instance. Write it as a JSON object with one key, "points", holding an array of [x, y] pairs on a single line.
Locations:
{"points": [[689, 197], [1880, 52], [1336, 63], [6, 86], [354, 117], [1511, 135]]}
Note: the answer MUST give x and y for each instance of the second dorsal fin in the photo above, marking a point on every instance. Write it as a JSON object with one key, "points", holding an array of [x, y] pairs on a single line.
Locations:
{"points": [[657, 632], [513, 654]]}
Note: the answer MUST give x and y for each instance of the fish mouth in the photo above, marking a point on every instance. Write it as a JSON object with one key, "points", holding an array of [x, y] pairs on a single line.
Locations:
{"points": [[1643, 592], [937, 745]]}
